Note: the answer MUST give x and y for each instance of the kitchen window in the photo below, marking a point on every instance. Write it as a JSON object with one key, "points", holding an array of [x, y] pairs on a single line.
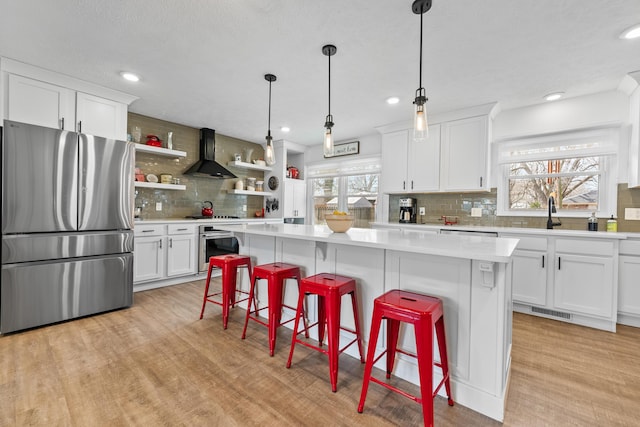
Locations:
{"points": [[578, 168], [345, 186]]}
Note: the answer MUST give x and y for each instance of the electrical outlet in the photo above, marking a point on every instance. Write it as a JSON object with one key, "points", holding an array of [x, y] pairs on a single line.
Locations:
{"points": [[422, 211], [476, 212], [632, 214], [158, 206], [244, 208]]}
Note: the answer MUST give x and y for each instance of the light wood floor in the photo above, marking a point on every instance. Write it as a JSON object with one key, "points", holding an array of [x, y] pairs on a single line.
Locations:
{"points": [[156, 364]]}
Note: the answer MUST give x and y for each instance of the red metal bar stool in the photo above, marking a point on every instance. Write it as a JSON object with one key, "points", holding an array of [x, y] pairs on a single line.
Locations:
{"points": [[229, 265], [423, 312], [329, 288], [276, 274]]}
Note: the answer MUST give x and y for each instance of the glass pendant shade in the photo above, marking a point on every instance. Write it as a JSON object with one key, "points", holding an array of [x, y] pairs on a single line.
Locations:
{"points": [[327, 142], [420, 124], [269, 155]]}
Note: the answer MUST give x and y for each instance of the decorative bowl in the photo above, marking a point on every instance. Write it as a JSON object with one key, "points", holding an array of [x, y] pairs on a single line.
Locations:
{"points": [[339, 223]]}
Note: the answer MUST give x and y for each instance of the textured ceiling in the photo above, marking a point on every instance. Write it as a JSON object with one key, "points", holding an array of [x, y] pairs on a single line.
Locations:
{"points": [[202, 62]]}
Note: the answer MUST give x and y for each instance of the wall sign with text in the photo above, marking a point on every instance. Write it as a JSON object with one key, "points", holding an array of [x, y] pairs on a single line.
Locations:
{"points": [[346, 149]]}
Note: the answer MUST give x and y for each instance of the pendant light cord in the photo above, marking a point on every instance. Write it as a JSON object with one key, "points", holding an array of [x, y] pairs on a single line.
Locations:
{"points": [[329, 84], [420, 77], [269, 120]]}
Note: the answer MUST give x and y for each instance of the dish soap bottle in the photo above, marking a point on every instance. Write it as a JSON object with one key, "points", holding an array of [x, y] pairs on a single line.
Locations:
{"points": [[593, 222], [612, 224]]}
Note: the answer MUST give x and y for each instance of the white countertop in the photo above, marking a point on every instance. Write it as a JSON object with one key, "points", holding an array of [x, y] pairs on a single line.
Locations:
{"points": [[468, 247], [205, 221], [556, 232]]}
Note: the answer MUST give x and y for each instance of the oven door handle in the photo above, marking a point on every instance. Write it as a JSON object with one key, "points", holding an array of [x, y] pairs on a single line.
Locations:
{"points": [[216, 235]]}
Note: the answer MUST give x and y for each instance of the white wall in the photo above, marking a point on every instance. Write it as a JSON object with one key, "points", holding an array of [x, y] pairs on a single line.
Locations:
{"points": [[573, 113], [369, 145], [602, 108]]}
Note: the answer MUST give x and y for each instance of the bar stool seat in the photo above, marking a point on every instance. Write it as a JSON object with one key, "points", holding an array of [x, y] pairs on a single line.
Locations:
{"points": [[276, 274], [329, 288], [229, 265], [423, 312]]}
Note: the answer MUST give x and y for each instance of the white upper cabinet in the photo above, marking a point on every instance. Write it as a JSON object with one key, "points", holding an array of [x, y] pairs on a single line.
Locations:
{"points": [[465, 145], [408, 166], [100, 116], [39, 103], [41, 97], [455, 157], [295, 198]]}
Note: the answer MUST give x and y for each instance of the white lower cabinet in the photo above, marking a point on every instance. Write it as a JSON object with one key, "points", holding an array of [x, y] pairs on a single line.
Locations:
{"points": [[530, 284], [573, 280], [164, 251], [628, 283], [182, 254], [148, 257]]}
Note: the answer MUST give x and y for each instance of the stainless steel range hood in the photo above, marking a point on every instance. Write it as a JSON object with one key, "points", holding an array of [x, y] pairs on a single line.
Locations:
{"points": [[207, 167]]}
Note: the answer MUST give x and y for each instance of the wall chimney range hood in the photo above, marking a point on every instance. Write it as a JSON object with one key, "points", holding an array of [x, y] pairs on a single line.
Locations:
{"points": [[206, 166]]}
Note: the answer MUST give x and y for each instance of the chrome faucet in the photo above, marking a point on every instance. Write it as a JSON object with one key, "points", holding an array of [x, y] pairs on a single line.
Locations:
{"points": [[552, 209]]}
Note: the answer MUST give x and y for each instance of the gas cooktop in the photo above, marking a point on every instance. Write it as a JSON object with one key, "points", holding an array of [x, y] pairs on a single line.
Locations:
{"points": [[212, 217]]}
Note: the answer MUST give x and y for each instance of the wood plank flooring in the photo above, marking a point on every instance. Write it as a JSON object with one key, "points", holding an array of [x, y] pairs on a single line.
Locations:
{"points": [[157, 364]]}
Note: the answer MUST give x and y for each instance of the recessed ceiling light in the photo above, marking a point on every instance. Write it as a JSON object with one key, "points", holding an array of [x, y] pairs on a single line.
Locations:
{"points": [[631, 33], [129, 76], [393, 100], [554, 96], [284, 129]]}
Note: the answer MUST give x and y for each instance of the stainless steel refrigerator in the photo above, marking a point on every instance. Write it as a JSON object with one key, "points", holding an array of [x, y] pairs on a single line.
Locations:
{"points": [[67, 219]]}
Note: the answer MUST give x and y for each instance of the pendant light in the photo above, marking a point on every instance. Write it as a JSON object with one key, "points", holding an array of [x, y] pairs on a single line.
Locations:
{"points": [[269, 156], [420, 124], [327, 140]]}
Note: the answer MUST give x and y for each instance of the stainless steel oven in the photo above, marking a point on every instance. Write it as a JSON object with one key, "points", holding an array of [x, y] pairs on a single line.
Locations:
{"points": [[214, 242]]}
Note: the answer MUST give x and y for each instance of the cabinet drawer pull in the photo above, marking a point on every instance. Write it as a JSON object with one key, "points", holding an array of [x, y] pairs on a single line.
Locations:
{"points": [[404, 185], [62, 123], [160, 243], [558, 263], [542, 261], [148, 231], [171, 242], [412, 184], [480, 181], [182, 229], [80, 126]]}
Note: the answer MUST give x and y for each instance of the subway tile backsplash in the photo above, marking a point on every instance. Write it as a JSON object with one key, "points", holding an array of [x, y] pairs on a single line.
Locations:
{"points": [[458, 206], [177, 203]]}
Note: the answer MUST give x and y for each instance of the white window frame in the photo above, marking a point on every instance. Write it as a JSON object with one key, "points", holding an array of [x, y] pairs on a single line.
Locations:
{"points": [[603, 142], [340, 169]]}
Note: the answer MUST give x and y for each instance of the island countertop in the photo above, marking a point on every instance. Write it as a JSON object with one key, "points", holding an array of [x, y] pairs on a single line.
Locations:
{"points": [[482, 248]]}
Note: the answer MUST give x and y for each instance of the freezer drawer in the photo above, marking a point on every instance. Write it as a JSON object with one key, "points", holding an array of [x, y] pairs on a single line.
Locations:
{"points": [[39, 293], [47, 246]]}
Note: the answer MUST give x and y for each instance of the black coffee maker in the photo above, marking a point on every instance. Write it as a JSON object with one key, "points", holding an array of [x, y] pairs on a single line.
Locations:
{"points": [[408, 210]]}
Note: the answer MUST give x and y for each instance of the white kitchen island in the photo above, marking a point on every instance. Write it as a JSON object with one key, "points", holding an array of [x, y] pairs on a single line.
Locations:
{"points": [[471, 274]]}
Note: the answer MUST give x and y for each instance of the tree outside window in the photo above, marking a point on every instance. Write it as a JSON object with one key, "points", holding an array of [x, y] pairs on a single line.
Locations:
{"points": [[575, 184]]}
